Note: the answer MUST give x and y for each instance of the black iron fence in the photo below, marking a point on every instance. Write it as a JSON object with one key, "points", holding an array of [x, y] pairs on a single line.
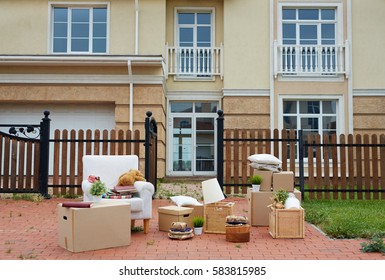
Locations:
{"points": [[27, 166]]}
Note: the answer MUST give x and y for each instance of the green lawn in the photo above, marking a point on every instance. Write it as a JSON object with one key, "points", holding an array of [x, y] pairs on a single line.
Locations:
{"points": [[347, 218]]}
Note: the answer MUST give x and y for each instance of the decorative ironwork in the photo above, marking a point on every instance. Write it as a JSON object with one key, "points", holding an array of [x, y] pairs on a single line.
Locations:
{"points": [[28, 131]]}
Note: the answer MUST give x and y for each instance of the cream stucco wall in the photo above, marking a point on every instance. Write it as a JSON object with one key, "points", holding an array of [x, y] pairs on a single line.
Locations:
{"points": [[247, 45], [368, 43], [29, 32], [26, 31]]}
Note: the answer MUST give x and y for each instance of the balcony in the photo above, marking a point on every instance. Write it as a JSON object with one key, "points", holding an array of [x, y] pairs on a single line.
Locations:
{"points": [[194, 63], [311, 60]]}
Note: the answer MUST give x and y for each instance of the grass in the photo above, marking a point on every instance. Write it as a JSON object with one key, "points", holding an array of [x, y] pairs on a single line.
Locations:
{"points": [[347, 218]]}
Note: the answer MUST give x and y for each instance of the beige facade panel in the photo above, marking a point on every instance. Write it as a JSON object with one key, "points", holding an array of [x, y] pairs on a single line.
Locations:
{"points": [[246, 105], [247, 44], [369, 105], [369, 122], [368, 39], [313, 87], [247, 121]]}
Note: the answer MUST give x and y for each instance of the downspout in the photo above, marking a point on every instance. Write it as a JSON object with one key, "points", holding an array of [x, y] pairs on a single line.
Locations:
{"points": [[131, 93], [136, 27]]}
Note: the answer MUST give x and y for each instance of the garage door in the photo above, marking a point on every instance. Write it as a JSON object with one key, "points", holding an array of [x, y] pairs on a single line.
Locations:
{"points": [[70, 116]]}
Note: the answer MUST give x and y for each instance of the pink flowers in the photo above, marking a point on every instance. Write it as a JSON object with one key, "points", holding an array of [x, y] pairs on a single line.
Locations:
{"points": [[93, 178]]}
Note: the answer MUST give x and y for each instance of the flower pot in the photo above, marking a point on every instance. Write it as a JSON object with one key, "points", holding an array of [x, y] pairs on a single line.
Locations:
{"points": [[255, 188], [198, 230], [97, 198]]}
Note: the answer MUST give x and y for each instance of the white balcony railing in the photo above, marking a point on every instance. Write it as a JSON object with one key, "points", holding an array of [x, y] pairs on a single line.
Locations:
{"points": [[311, 60], [186, 62]]}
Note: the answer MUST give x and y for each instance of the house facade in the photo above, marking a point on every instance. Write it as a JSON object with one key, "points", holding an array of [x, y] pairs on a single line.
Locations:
{"points": [[310, 65]]}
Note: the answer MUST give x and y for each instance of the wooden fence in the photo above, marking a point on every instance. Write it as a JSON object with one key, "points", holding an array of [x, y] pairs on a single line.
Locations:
{"points": [[70, 146], [344, 167]]}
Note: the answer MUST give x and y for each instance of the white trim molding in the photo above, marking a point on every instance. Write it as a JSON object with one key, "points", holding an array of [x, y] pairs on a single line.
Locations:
{"points": [[369, 92], [79, 79]]}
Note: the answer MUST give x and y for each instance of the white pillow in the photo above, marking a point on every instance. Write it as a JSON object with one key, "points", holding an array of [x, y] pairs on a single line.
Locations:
{"points": [[264, 158], [182, 200]]}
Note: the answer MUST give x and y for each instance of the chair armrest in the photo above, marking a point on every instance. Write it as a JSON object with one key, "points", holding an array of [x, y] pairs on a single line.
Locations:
{"points": [[86, 186], [144, 188]]}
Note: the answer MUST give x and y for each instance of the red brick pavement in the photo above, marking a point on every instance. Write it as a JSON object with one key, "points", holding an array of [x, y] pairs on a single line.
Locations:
{"points": [[28, 230]]}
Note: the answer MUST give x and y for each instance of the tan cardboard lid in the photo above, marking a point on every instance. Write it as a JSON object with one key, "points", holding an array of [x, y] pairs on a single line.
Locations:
{"points": [[175, 210]]}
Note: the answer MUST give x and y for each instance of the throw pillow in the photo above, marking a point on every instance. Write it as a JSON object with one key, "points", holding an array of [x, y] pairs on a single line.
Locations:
{"points": [[182, 200], [264, 158]]}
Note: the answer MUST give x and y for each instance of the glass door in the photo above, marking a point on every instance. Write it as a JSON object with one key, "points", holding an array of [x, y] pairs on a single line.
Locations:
{"points": [[182, 144], [192, 139]]}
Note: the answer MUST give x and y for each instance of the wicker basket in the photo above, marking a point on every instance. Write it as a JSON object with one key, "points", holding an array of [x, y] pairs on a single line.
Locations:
{"points": [[287, 223], [215, 216]]}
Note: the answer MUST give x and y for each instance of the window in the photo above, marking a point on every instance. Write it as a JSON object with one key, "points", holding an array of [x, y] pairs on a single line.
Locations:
{"points": [[194, 37], [308, 26], [310, 116], [310, 40], [79, 30]]}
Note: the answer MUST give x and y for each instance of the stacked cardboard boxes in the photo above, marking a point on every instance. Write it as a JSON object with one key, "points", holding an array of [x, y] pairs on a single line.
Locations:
{"points": [[258, 202]]}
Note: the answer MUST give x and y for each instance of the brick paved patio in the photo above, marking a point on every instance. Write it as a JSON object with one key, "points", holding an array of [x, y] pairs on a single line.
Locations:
{"points": [[28, 230]]}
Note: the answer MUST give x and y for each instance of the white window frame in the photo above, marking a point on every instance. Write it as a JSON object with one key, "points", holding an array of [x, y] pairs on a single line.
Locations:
{"points": [[316, 5], [339, 39], [310, 97], [178, 10], [76, 5]]}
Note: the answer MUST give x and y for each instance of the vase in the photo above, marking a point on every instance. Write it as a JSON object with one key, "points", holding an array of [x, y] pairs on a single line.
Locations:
{"points": [[198, 230], [97, 198], [255, 188]]}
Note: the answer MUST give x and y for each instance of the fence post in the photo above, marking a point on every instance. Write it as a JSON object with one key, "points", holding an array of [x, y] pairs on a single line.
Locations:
{"points": [[301, 163], [220, 121], [147, 146], [44, 154]]}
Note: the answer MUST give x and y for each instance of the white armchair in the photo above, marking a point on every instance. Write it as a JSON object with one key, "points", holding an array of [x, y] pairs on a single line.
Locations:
{"points": [[109, 168]]}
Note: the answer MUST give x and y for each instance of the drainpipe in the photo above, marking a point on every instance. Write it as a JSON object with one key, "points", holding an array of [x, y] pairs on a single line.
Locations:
{"points": [[131, 93], [136, 27]]}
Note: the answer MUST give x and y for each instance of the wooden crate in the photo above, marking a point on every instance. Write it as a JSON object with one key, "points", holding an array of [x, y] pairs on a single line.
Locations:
{"points": [[287, 223], [215, 216]]}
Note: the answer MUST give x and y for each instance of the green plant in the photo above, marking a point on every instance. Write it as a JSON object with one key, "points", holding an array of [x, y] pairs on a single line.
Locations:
{"points": [[281, 196], [256, 180], [376, 244], [98, 188], [198, 221]]}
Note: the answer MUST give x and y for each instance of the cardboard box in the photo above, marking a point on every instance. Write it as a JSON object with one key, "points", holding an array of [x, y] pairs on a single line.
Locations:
{"points": [[267, 178], [170, 214], [258, 212], [102, 226], [287, 223], [283, 181], [198, 210], [215, 216]]}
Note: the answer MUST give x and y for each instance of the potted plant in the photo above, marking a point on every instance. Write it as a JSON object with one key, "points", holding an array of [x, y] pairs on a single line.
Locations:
{"points": [[97, 189], [198, 223], [279, 199], [256, 181]]}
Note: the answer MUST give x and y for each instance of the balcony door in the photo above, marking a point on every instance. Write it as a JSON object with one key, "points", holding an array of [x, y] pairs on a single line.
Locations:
{"points": [[194, 37], [192, 139]]}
